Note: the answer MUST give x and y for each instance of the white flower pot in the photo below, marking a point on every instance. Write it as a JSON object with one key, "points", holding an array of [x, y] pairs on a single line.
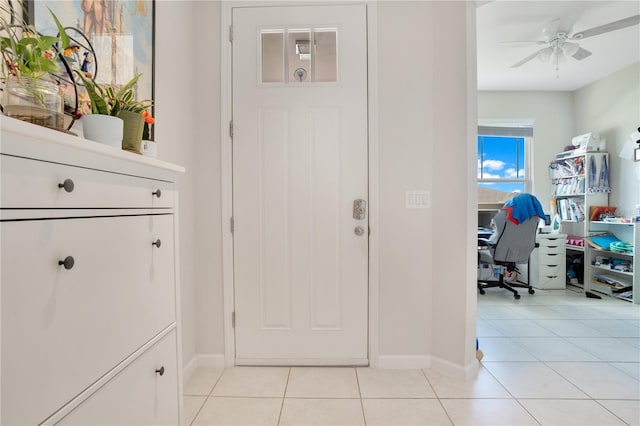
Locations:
{"points": [[105, 129], [150, 149]]}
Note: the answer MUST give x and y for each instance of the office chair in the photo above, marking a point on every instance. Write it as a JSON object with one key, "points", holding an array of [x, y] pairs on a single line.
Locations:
{"points": [[512, 242]]}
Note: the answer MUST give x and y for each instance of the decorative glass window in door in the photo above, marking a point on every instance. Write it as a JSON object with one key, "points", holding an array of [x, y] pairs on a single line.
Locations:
{"points": [[296, 56]]}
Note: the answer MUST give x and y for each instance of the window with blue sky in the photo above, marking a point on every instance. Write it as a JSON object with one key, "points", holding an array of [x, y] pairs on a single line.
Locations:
{"points": [[501, 163]]}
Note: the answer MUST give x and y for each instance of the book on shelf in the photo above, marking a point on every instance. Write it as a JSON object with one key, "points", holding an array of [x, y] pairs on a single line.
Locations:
{"points": [[571, 209], [569, 186]]}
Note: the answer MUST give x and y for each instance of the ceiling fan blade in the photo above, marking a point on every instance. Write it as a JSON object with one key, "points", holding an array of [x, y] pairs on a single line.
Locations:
{"points": [[527, 59], [611, 26], [581, 54]]}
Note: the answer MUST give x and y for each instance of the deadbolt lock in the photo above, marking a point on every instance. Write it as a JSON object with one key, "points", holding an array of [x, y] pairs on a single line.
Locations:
{"points": [[359, 209]]}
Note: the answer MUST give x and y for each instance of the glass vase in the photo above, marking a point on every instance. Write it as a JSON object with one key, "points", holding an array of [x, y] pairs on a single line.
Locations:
{"points": [[34, 100]]}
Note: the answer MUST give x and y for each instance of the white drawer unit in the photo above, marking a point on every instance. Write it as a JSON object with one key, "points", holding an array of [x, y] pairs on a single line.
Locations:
{"points": [[547, 265], [89, 288]]}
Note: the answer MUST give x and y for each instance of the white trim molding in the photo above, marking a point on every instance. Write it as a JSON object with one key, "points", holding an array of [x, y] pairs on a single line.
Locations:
{"points": [[456, 371], [399, 362], [202, 360], [226, 173]]}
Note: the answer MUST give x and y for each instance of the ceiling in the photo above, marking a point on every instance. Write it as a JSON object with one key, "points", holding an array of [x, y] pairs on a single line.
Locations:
{"points": [[503, 21]]}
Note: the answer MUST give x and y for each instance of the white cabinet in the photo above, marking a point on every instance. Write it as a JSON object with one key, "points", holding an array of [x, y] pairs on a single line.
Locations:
{"points": [[547, 264], [615, 273], [88, 284]]}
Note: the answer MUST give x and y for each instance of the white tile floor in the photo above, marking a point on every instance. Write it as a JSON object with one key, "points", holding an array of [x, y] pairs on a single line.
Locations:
{"points": [[553, 358]]}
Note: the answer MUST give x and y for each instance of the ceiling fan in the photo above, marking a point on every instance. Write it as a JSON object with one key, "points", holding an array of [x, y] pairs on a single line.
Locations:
{"points": [[560, 44]]}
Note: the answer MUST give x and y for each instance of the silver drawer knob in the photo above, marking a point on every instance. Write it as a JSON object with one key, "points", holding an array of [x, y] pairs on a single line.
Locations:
{"points": [[157, 193]]}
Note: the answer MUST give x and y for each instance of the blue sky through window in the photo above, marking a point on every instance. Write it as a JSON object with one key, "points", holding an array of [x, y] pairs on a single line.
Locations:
{"points": [[501, 157]]}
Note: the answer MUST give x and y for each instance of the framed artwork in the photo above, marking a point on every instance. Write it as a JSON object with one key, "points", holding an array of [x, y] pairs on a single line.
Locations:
{"points": [[119, 32]]}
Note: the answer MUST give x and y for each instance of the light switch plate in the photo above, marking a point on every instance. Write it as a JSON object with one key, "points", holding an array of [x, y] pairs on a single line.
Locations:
{"points": [[418, 199]]}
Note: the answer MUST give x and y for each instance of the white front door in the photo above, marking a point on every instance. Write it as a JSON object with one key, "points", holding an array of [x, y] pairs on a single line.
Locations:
{"points": [[299, 163]]}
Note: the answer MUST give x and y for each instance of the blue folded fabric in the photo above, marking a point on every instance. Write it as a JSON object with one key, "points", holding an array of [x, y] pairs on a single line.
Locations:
{"points": [[522, 207]]}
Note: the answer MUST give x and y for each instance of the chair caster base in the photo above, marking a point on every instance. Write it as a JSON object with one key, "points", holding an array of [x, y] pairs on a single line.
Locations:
{"points": [[516, 296], [531, 291]]}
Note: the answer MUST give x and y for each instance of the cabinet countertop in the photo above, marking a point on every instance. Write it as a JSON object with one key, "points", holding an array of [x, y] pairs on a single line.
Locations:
{"points": [[63, 142]]}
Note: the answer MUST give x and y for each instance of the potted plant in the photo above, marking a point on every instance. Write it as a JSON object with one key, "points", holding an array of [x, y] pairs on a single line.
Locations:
{"points": [[119, 109], [149, 146], [27, 60]]}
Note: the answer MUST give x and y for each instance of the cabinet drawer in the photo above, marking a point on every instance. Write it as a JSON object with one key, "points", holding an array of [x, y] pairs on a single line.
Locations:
{"points": [[30, 183], [137, 395], [62, 329], [552, 271], [551, 282], [552, 258], [552, 241], [548, 250]]}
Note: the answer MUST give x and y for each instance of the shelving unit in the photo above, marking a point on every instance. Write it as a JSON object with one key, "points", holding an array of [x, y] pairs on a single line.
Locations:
{"points": [[601, 262], [577, 184]]}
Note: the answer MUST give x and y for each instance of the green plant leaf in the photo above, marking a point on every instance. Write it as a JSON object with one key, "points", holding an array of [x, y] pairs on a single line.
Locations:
{"points": [[98, 103], [128, 86], [64, 38]]}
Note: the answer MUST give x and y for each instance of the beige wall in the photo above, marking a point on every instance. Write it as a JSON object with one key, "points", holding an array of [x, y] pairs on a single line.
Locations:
{"points": [[553, 126], [425, 303], [405, 137], [208, 256], [175, 91], [611, 107]]}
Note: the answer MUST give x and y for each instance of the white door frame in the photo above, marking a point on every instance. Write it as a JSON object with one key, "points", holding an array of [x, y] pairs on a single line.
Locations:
{"points": [[226, 168]]}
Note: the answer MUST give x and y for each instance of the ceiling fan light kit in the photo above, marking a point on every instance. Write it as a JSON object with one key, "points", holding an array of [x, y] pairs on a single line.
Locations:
{"points": [[559, 46]]}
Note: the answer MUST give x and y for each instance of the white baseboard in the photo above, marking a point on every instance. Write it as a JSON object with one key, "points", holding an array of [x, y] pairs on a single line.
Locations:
{"points": [[403, 361], [202, 360], [454, 370], [428, 361]]}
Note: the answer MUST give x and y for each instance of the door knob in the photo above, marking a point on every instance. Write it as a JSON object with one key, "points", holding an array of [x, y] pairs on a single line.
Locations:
{"points": [[359, 230]]}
